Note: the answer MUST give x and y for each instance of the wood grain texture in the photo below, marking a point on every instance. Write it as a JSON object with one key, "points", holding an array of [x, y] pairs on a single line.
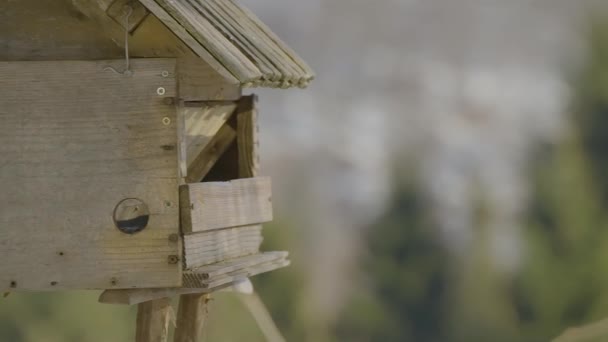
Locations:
{"points": [[218, 245], [247, 137], [153, 320], [198, 81], [209, 156], [50, 30], [202, 124], [137, 296], [192, 317], [227, 272], [182, 16], [75, 140], [215, 205], [240, 42]]}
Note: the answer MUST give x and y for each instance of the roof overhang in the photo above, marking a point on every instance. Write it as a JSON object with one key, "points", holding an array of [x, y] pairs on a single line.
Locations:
{"points": [[234, 37]]}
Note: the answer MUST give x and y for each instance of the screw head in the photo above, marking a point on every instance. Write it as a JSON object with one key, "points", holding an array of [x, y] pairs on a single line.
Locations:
{"points": [[164, 73], [166, 121], [173, 259], [161, 91]]}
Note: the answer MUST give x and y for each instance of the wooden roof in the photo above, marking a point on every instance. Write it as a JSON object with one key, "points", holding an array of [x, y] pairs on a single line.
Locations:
{"points": [[236, 38]]}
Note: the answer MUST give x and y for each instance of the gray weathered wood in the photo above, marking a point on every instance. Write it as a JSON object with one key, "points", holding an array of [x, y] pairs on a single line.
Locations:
{"points": [[75, 140], [153, 321], [137, 296], [179, 21], [198, 81], [247, 137], [214, 205], [218, 245], [212, 276], [192, 317], [202, 123], [240, 41]]}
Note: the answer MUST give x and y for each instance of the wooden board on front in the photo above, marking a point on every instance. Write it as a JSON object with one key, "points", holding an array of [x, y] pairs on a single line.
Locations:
{"points": [[218, 245], [76, 139], [233, 270], [215, 205]]}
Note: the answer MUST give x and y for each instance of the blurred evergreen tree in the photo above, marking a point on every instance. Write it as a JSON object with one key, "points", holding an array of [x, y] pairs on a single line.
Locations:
{"points": [[405, 277], [565, 281]]}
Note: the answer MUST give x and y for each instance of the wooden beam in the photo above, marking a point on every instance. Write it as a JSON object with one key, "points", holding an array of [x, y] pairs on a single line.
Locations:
{"points": [[210, 154], [247, 137], [218, 245], [192, 317], [214, 205], [137, 296], [227, 272], [198, 81], [153, 321]]}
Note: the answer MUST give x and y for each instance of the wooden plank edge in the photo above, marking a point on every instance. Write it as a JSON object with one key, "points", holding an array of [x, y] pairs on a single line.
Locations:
{"points": [[189, 40]]}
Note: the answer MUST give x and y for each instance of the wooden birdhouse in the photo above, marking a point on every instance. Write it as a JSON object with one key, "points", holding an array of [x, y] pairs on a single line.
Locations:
{"points": [[128, 156]]}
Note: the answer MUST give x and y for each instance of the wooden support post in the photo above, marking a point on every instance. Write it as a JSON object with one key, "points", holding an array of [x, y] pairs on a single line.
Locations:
{"points": [[153, 320], [192, 317]]}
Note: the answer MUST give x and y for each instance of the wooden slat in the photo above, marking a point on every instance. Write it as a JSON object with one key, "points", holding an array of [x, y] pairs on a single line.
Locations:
{"points": [[227, 266], [247, 137], [198, 81], [192, 317], [75, 140], [251, 50], [240, 22], [220, 47], [137, 296], [214, 205], [307, 73], [227, 272], [153, 321], [214, 246], [202, 124], [188, 39]]}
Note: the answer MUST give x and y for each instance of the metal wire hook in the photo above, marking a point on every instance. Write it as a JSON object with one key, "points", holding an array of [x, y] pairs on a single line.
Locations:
{"points": [[127, 71]]}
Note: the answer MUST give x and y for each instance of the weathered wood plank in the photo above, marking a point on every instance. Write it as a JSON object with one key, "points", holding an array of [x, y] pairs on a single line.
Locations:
{"points": [[236, 270], [214, 205], [206, 35], [198, 81], [214, 246], [75, 140], [137, 296], [51, 30], [192, 317], [247, 137], [153, 320], [202, 125]]}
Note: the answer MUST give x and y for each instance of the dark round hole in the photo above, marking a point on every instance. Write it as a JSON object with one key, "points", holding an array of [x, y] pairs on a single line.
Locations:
{"points": [[131, 215]]}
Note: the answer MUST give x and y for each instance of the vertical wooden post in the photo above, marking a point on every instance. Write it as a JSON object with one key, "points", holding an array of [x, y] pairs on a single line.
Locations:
{"points": [[153, 321], [192, 317]]}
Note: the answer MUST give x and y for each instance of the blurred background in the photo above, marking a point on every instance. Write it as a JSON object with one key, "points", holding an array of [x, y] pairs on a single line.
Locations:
{"points": [[443, 179]]}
